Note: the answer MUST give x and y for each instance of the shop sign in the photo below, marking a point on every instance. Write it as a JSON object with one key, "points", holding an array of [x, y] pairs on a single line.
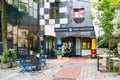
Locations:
{"points": [[74, 29]]}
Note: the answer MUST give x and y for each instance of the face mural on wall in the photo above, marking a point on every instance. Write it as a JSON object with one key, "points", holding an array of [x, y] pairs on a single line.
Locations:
{"points": [[78, 15]]}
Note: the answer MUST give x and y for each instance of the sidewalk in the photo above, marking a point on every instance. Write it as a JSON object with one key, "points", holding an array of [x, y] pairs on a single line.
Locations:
{"points": [[75, 68]]}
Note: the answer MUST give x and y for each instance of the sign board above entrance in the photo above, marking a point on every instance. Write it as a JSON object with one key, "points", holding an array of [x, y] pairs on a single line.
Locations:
{"points": [[74, 29]]}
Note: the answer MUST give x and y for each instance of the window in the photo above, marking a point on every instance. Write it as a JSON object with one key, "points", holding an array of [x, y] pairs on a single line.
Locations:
{"points": [[54, 11], [23, 34], [79, 13], [42, 3], [86, 45]]}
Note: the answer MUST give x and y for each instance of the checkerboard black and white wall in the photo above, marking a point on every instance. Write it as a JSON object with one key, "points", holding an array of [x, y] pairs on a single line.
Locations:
{"points": [[45, 19]]}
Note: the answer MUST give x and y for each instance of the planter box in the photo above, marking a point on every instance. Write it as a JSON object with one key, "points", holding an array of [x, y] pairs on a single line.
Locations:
{"points": [[15, 64], [5, 66]]}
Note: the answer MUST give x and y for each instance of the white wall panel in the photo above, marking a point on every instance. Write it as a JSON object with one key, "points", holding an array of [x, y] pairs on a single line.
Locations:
{"points": [[49, 30], [47, 5], [51, 0], [42, 22], [57, 25], [63, 0], [63, 10], [64, 21], [52, 21], [46, 16], [41, 11]]}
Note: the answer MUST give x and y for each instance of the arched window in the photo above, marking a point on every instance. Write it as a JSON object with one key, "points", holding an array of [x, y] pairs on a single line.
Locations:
{"points": [[78, 15]]}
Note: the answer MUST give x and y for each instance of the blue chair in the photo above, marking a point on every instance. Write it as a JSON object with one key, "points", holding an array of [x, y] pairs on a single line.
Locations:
{"points": [[25, 66], [42, 60]]}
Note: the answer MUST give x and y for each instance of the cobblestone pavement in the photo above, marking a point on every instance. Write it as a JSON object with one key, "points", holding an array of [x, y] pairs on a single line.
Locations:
{"points": [[75, 68]]}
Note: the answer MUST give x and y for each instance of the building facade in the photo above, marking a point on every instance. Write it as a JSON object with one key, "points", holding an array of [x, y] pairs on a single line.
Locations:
{"points": [[68, 21], [21, 20]]}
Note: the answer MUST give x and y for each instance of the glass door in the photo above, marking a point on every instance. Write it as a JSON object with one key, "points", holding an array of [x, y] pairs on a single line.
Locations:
{"points": [[78, 47]]}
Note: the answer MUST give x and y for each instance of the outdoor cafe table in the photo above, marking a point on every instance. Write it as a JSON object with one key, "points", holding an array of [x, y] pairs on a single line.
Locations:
{"points": [[104, 56]]}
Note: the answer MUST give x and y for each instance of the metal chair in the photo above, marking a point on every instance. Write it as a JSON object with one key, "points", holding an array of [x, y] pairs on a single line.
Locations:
{"points": [[25, 66], [42, 60]]}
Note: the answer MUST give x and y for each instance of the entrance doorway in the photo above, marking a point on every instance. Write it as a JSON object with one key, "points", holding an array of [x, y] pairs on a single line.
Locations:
{"points": [[72, 46]]}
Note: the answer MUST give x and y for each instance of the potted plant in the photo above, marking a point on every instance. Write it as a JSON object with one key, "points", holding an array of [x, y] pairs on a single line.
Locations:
{"points": [[9, 59], [59, 54], [115, 68], [13, 58], [5, 61], [41, 52]]}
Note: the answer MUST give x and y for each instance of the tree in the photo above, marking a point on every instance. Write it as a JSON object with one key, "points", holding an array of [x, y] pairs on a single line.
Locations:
{"points": [[30, 38], [4, 25], [106, 11]]}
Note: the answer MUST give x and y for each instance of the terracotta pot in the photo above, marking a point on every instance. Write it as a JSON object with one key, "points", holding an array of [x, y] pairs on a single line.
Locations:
{"points": [[59, 57], [118, 65], [119, 56], [107, 66]]}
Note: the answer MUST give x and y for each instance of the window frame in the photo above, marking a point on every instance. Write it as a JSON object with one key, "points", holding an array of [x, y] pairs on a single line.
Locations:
{"points": [[54, 10]]}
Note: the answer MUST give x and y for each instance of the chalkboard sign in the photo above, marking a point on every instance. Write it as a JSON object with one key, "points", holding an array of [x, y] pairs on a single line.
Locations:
{"points": [[23, 51]]}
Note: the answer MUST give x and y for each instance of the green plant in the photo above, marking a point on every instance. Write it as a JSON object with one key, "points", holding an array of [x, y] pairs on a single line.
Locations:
{"points": [[14, 55], [5, 56], [59, 52], [105, 14], [115, 68], [9, 56], [109, 62], [41, 50]]}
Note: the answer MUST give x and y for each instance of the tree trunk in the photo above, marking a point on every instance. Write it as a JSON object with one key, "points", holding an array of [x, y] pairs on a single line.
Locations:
{"points": [[4, 25], [109, 52]]}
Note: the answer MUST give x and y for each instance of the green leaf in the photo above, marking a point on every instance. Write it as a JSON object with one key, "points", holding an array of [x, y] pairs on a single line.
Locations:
{"points": [[35, 1]]}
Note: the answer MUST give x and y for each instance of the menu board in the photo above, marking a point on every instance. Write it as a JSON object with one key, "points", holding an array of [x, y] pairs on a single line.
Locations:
{"points": [[23, 51]]}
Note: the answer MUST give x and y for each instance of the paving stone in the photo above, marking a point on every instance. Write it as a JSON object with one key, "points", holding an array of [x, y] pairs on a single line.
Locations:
{"points": [[80, 68], [63, 78]]}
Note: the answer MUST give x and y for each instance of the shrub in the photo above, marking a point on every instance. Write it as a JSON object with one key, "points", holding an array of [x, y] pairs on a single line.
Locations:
{"points": [[5, 56], [9, 56], [59, 52], [14, 55], [115, 68]]}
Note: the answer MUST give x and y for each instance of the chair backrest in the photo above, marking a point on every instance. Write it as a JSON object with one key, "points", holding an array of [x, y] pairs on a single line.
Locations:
{"points": [[20, 61], [43, 56]]}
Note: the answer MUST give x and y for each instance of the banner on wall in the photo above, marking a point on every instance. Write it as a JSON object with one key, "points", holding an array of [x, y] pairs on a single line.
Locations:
{"points": [[59, 43], [41, 41]]}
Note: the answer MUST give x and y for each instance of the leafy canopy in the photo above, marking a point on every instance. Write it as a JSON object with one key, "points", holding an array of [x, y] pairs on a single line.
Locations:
{"points": [[106, 11]]}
